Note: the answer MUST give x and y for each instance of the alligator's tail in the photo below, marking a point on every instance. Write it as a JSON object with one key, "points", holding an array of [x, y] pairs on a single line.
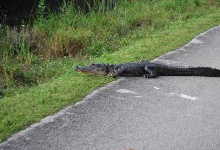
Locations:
{"points": [[210, 72], [192, 71]]}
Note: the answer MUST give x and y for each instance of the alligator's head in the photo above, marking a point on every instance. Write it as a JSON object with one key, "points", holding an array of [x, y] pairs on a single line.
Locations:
{"points": [[97, 69]]}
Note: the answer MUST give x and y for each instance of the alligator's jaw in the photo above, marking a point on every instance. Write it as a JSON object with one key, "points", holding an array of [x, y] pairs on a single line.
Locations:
{"points": [[86, 69], [96, 69]]}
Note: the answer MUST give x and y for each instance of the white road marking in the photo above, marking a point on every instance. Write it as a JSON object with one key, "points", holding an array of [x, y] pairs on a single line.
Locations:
{"points": [[188, 97], [180, 95], [138, 96], [185, 96], [156, 88], [126, 91]]}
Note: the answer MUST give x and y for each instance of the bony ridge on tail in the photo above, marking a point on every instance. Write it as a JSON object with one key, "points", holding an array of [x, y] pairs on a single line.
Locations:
{"points": [[146, 69]]}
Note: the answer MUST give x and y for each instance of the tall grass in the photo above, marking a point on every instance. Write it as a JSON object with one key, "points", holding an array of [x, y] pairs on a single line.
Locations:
{"points": [[72, 33]]}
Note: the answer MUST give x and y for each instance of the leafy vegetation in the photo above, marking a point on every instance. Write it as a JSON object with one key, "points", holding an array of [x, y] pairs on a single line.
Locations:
{"points": [[36, 75]]}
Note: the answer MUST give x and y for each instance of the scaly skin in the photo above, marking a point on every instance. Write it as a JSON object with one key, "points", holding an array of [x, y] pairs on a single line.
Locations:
{"points": [[146, 69]]}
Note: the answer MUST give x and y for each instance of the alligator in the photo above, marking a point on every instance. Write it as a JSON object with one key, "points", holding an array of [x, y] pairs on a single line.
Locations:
{"points": [[146, 69]]}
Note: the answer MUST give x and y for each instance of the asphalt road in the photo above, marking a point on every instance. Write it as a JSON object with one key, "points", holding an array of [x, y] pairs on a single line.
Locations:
{"points": [[166, 113]]}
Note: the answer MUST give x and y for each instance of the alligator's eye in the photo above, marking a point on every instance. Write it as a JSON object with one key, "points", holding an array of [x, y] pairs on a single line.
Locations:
{"points": [[92, 64]]}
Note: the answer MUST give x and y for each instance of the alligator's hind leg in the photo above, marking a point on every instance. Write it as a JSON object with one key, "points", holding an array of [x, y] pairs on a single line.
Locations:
{"points": [[150, 72]]}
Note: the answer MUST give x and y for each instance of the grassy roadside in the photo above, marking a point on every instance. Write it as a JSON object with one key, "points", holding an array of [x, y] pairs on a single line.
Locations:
{"points": [[29, 105], [162, 41]]}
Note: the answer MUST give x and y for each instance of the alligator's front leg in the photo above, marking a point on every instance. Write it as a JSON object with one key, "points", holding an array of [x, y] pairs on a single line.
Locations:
{"points": [[150, 72], [120, 72], [143, 61]]}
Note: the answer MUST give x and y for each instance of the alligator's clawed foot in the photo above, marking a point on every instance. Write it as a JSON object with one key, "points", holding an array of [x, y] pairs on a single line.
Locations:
{"points": [[146, 76]]}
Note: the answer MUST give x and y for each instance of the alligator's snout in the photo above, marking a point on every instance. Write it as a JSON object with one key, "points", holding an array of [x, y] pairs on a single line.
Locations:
{"points": [[92, 69], [87, 69], [76, 67], [81, 69]]}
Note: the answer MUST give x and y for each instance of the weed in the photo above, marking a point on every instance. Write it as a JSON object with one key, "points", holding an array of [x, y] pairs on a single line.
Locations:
{"points": [[197, 2], [41, 10], [72, 33]]}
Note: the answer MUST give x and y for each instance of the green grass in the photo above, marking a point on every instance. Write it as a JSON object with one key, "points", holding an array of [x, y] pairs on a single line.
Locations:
{"points": [[56, 85], [72, 33]]}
